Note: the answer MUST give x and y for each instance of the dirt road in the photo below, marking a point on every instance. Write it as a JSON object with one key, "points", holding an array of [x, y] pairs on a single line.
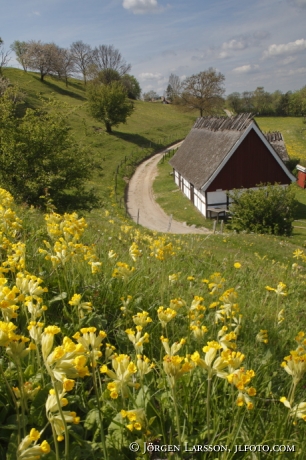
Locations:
{"points": [[142, 205]]}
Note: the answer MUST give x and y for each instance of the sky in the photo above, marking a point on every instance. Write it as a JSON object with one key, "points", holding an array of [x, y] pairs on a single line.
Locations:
{"points": [[252, 43]]}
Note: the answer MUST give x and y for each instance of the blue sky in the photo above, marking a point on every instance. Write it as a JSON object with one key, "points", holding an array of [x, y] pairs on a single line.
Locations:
{"points": [[253, 43]]}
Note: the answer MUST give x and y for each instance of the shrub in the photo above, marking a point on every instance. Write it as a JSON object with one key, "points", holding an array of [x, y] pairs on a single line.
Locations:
{"points": [[268, 209]]}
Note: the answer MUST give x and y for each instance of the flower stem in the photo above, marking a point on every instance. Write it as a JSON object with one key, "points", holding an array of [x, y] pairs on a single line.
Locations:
{"points": [[99, 409], [208, 408]]}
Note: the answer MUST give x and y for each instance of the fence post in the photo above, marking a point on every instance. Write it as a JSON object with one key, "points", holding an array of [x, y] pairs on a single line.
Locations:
{"points": [[222, 223], [215, 225], [169, 225]]}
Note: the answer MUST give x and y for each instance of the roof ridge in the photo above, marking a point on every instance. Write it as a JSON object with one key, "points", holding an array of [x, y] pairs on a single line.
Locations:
{"points": [[219, 123]]}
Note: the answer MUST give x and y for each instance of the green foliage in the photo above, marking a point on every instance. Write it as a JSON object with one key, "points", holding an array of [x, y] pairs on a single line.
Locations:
{"points": [[109, 104], [38, 156], [268, 209]]}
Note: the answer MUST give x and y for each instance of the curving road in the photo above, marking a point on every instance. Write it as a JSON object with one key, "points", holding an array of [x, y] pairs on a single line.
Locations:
{"points": [[142, 206]]}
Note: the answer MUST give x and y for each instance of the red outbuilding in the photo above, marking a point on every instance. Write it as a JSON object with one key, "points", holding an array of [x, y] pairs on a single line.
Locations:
{"points": [[225, 153]]}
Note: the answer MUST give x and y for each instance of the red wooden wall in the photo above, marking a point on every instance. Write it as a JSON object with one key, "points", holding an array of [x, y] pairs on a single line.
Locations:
{"points": [[251, 164]]}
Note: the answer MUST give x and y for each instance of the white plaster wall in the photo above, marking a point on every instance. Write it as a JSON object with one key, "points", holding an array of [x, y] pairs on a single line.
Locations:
{"points": [[215, 198]]}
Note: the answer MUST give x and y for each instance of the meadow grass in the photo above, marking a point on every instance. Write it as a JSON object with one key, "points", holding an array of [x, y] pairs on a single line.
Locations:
{"points": [[293, 130], [215, 378]]}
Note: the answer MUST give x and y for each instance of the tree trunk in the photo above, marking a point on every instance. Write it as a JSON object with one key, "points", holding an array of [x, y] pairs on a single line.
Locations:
{"points": [[108, 127]]}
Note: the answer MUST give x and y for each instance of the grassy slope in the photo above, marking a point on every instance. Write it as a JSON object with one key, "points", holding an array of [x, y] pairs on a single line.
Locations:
{"points": [[151, 127]]}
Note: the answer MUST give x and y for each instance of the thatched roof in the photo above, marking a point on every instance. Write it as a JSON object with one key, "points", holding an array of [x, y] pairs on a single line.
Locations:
{"points": [[207, 145], [277, 141]]}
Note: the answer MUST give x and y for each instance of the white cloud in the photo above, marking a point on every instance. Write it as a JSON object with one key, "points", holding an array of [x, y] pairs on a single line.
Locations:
{"points": [[150, 76], [248, 68], [291, 47], [288, 60], [141, 6], [234, 45]]}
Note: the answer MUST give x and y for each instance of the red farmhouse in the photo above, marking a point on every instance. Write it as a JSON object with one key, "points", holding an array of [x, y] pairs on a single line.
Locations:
{"points": [[225, 153]]}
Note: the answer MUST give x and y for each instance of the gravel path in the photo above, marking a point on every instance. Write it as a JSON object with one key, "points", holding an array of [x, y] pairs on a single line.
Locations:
{"points": [[141, 202]]}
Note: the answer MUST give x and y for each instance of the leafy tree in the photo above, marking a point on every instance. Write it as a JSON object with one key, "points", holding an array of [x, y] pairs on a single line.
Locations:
{"points": [[21, 51], [106, 76], [150, 96], [132, 86], [234, 102], [37, 154], [42, 57], [268, 209], [203, 92], [109, 104]]}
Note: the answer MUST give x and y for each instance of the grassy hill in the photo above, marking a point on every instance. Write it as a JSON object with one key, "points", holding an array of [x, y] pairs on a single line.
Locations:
{"points": [[150, 128], [217, 315]]}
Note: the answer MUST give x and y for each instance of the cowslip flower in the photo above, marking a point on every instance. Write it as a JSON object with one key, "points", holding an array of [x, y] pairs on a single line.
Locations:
{"points": [[279, 290], [177, 304], [298, 411], [136, 417], [47, 339], [142, 319], [121, 375], [144, 365], [135, 252], [262, 336], [123, 271], [137, 339], [211, 364], [198, 331], [165, 315], [175, 347], [25, 452], [175, 366]]}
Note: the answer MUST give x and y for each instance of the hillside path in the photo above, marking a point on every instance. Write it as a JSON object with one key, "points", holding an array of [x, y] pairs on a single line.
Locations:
{"points": [[140, 200]]}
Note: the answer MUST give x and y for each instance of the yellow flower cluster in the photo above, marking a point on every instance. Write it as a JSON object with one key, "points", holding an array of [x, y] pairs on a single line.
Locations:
{"points": [[215, 283], [123, 271], [135, 252], [240, 378], [24, 450], [121, 375], [160, 249], [280, 290], [136, 417], [66, 232], [295, 363]]}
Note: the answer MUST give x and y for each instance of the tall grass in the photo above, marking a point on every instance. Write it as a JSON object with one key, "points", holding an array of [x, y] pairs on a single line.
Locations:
{"points": [[156, 340]]}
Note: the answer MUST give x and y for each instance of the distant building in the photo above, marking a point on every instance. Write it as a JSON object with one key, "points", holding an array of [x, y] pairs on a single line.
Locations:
{"points": [[225, 153]]}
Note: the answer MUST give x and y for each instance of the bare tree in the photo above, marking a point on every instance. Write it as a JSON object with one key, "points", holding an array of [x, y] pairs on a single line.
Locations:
{"points": [[64, 64], [4, 56], [82, 57], [203, 92], [21, 49], [174, 87], [107, 57], [42, 57]]}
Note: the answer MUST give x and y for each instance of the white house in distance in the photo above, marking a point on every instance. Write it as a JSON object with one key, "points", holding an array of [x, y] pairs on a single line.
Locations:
{"points": [[225, 153]]}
